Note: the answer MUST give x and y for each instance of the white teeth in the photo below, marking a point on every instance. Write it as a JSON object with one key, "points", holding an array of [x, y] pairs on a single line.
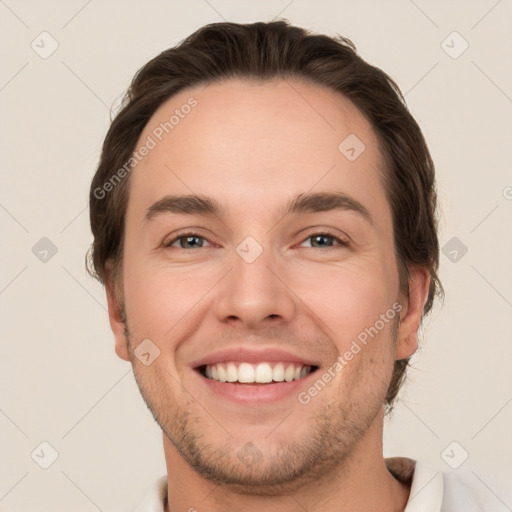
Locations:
{"points": [[278, 372], [231, 372], [221, 372], [245, 373], [289, 373], [261, 373]]}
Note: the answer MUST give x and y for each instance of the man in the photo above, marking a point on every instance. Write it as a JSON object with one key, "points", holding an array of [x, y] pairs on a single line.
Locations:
{"points": [[264, 221]]}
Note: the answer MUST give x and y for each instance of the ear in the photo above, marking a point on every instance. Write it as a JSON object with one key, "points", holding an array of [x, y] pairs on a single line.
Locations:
{"points": [[407, 340], [114, 313]]}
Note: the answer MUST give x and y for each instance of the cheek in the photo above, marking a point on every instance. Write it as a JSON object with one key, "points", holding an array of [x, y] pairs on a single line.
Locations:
{"points": [[145, 303], [158, 297], [347, 298]]}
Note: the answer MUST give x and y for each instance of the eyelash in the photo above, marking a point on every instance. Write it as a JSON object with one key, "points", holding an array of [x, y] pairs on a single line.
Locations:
{"points": [[342, 242]]}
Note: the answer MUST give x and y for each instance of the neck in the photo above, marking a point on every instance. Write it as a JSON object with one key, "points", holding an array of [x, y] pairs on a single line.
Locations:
{"points": [[360, 483]]}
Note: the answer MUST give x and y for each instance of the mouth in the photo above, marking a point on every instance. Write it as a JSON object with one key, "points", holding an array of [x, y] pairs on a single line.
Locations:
{"points": [[260, 374], [248, 376]]}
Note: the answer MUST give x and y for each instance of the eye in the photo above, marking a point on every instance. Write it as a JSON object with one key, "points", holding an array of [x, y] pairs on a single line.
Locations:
{"points": [[325, 239], [194, 241], [187, 241]]}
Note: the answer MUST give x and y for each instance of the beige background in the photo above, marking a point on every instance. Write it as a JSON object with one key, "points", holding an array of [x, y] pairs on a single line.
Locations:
{"points": [[60, 378]]}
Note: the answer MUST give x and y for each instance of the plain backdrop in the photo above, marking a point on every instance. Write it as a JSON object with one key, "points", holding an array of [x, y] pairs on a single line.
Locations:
{"points": [[61, 382]]}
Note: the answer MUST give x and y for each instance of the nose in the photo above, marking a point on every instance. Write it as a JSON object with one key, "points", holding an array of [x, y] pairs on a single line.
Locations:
{"points": [[255, 294]]}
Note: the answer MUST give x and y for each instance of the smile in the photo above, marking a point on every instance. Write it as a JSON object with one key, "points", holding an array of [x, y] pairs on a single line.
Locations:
{"points": [[261, 373]]}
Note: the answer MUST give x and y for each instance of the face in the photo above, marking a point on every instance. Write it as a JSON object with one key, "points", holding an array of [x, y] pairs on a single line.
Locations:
{"points": [[284, 274]]}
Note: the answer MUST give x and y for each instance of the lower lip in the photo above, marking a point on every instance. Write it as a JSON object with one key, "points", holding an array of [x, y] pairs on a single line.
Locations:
{"points": [[255, 393]]}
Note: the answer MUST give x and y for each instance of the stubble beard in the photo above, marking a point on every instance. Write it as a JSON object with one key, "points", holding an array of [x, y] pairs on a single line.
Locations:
{"points": [[276, 468]]}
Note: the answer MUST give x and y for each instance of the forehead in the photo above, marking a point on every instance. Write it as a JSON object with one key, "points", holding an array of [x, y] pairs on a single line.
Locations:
{"points": [[258, 142]]}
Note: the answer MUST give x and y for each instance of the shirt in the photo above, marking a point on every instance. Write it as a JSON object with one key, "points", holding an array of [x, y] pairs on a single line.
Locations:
{"points": [[431, 490]]}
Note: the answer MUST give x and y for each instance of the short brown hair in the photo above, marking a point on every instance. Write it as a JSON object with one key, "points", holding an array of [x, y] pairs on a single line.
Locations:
{"points": [[265, 51]]}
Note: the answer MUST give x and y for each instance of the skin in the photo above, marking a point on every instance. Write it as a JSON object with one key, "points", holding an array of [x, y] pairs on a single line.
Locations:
{"points": [[255, 146]]}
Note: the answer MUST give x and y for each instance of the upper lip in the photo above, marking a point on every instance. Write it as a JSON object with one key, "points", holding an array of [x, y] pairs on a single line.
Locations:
{"points": [[253, 355]]}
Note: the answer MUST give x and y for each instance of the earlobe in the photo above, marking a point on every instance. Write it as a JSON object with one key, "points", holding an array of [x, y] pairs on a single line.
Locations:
{"points": [[115, 316], [407, 339]]}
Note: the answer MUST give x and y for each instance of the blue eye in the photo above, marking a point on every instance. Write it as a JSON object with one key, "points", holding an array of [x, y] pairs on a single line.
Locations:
{"points": [[195, 241], [325, 240], [187, 241]]}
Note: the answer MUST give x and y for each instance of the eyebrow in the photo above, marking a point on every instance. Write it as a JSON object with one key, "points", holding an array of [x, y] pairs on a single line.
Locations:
{"points": [[193, 204]]}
